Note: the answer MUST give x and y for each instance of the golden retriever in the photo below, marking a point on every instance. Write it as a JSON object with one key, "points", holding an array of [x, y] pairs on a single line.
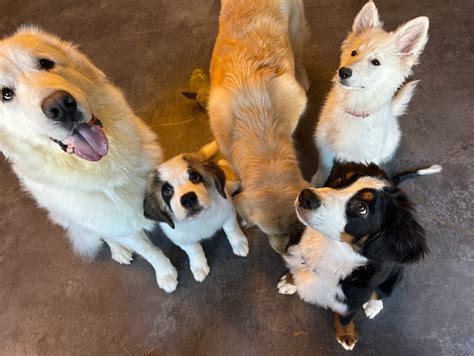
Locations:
{"points": [[257, 96]]}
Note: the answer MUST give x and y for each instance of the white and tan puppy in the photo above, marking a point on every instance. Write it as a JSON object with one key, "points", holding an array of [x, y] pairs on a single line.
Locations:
{"points": [[78, 148], [359, 119], [257, 97], [188, 196]]}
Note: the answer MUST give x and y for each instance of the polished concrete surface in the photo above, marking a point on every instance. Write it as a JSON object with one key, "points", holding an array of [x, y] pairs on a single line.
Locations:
{"points": [[53, 303]]}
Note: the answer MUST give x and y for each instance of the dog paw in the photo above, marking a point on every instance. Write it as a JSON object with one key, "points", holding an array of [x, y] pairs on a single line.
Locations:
{"points": [[347, 341], [200, 272], [168, 281], [121, 254], [372, 308], [284, 287], [241, 248]]}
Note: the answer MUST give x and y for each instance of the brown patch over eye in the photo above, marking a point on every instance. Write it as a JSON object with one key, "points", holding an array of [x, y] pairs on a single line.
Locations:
{"points": [[367, 196]]}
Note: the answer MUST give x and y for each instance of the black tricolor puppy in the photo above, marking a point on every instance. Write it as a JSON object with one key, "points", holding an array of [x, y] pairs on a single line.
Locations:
{"points": [[360, 231]]}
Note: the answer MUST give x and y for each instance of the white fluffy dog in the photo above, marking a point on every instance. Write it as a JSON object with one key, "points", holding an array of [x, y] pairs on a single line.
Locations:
{"points": [[359, 119], [78, 148], [188, 196]]}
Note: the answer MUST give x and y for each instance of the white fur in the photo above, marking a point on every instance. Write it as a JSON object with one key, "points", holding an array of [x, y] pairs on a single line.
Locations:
{"points": [[430, 170], [321, 260], [372, 308], [217, 213], [94, 201], [342, 133], [318, 264]]}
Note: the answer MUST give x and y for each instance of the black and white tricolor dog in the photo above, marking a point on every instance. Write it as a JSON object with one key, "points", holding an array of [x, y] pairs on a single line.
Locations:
{"points": [[360, 231], [188, 196]]}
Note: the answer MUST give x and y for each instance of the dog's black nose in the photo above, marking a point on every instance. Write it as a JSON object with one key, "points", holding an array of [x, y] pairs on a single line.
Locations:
{"points": [[188, 200], [308, 199], [60, 106], [345, 73]]}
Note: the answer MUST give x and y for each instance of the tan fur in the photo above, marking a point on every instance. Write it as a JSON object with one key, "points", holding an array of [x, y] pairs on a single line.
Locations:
{"points": [[255, 105]]}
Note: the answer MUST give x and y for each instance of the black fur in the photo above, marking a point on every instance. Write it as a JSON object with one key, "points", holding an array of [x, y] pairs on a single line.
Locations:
{"points": [[217, 175], [389, 234]]}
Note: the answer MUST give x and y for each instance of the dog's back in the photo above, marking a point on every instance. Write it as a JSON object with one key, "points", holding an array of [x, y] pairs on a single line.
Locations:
{"points": [[254, 107]]}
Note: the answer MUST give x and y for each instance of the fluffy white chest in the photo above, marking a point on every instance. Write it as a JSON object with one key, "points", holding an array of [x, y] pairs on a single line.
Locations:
{"points": [[203, 226], [350, 138], [318, 264]]}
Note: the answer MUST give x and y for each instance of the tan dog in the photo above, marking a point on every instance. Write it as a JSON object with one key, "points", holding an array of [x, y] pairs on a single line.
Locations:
{"points": [[257, 97]]}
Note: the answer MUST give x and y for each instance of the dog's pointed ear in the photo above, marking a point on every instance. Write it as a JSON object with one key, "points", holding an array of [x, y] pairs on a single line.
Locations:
{"points": [[368, 17], [152, 205], [412, 37], [401, 239], [217, 175]]}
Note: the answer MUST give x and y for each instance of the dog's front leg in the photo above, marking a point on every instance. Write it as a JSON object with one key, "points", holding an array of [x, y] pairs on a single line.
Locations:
{"points": [[166, 274], [237, 239], [197, 260], [120, 253], [326, 161]]}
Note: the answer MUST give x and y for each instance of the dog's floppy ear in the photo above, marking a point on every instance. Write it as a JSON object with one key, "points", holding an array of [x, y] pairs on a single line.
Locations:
{"points": [[217, 175], [401, 239], [367, 17], [152, 205], [411, 38]]}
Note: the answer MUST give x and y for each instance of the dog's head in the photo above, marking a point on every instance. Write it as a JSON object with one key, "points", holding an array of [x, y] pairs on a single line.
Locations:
{"points": [[49, 95], [183, 187], [363, 208], [372, 59]]}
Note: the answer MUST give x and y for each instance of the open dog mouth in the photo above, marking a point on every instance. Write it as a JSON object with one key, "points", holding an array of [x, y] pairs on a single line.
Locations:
{"points": [[88, 141]]}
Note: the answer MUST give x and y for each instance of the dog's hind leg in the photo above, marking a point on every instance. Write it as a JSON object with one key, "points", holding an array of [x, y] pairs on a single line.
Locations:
{"points": [[298, 33], [119, 253], [237, 239], [166, 274], [85, 243]]}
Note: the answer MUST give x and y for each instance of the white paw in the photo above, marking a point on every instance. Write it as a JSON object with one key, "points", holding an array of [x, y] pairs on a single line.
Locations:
{"points": [[121, 254], [286, 288], [200, 272], [372, 308], [347, 343], [241, 248], [168, 281]]}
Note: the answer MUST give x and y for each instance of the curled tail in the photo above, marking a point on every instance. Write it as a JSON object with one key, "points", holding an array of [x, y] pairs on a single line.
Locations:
{"points": [[402, 98], [400, 177], [210, 150]]}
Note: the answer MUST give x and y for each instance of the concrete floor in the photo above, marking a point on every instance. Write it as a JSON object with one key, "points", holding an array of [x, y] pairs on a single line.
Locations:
{"points": [[53, 303]]}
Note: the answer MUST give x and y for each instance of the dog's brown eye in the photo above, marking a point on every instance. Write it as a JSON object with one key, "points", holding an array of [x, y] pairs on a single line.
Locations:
{"points": [[46, 64], [338, 180], [361, 208], [375, 62], [7, 94], [167, 190], [195, 177], [354, 53]]}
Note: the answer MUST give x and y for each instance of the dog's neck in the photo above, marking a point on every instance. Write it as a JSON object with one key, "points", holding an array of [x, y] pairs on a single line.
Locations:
{"points": [[361, 104]]}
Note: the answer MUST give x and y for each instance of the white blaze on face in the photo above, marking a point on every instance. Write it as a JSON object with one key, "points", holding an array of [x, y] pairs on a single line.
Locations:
{"points": [[330, 217]]}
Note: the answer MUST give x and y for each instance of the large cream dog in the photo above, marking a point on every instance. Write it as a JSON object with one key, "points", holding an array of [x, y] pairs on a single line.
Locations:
{"points": [[257, 97], [78, 148]]}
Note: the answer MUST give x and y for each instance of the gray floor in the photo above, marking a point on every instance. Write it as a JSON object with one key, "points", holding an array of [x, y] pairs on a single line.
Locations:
{"points": [[53, 303]]}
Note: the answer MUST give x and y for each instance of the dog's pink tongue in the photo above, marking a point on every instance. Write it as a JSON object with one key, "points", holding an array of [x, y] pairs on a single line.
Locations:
{"points": [[88, 142]]}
